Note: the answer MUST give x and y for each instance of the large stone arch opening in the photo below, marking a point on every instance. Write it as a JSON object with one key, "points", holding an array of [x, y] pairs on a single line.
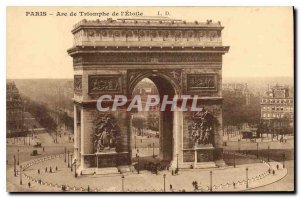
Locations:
{"points": [[165, 87]]}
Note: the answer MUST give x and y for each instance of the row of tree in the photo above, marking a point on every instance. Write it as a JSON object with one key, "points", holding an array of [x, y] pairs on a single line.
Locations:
{"points": [[151, 122], [41, 113], [236, 111]]}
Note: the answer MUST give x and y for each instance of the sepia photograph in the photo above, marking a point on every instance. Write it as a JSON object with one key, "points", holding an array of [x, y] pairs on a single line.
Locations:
{"points": [[150, 99]]}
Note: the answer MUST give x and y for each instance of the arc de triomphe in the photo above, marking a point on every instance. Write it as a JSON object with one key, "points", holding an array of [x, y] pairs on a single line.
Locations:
{"points": [[181, 58]]}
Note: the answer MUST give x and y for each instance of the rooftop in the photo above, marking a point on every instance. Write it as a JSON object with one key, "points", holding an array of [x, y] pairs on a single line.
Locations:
{"points": [[148, 22]]}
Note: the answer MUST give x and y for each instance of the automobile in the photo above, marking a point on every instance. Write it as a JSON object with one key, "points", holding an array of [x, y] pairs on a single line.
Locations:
{"points": [[38, 144], [34, 153]]}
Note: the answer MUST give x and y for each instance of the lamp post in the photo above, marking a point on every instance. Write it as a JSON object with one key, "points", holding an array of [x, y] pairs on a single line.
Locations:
{"points": [[164, 182], [283, 159], [268, 153], [257, 150], [65, 154], [153, 149], [56, 137], [68, 159], [20, 174], [134, 141], [210, 176], [75, 168], [138, 158], [18, 163], [28, 139], [123, 178], [177, 162], [234, 160], [71, 163], [15, 168], [247, 182], [239, 145]]}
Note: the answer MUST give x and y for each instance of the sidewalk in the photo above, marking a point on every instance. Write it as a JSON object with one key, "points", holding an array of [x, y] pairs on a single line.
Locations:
{"points": [[223, 179]]}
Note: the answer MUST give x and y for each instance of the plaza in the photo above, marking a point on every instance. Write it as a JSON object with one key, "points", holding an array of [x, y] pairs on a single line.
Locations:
{"points": [[223, 179]]}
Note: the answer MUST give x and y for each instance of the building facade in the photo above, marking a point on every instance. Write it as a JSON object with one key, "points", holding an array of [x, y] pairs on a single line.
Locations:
{"points": [[179, 57], [14, 110], [277, 108]]}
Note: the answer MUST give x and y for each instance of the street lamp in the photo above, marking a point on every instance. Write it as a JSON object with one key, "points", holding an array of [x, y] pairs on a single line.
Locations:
{"points": [[210, 174], [18, 163], [20, 174], [164, 182], [68, 159], [75, 168], [138, 158], [283, 159], [234, 160], [257, 150], [247, 184], [15, 168], [268, 153], [123, 183], [153, 149], [71, 163], [177, 162], [65, 154]]}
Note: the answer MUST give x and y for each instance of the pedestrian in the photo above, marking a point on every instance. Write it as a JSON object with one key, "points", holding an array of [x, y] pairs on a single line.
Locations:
{"points": [[50, 169], [277, 166], [273, 172], [43, 149], [29, 184], [56, 169], [39, 171], [172, 172], [88, 189], [171, 187], [46, 170]]}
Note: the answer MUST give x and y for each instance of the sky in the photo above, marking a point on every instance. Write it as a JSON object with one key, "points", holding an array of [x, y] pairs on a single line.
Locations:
{"points": [[260, 38]]}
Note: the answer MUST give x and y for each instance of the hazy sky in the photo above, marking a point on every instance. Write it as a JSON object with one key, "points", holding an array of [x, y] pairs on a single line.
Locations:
{"points": [[260, 39]]}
